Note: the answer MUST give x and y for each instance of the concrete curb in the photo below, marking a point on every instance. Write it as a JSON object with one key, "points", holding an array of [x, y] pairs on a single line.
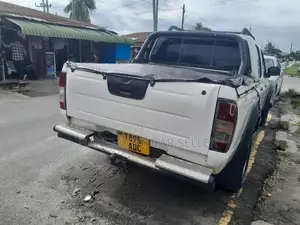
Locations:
{"points": [[281, 140]]}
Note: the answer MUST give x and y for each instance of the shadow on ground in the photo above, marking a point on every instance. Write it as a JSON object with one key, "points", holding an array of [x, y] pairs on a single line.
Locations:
{"points": [[135, 195]]}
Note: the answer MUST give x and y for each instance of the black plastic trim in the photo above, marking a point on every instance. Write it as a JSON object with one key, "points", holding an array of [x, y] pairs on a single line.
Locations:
{"points": [[127, 87]]}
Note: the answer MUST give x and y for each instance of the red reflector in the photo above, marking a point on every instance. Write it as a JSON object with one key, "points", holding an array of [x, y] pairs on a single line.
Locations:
{"points": [[224, 125], [227, 111], [62, 79], [62, 105], [62, 91]]}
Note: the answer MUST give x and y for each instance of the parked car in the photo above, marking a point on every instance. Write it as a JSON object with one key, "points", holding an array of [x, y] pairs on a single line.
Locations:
{"points": [[276, 79], [188, 104]]}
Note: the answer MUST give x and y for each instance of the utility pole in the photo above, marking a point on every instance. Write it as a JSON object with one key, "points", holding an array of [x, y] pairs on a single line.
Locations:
{"points": [[155, 14], [44, 5], [74, 9], [183, 14], [2, 56], [291, 49], [47, 6]]}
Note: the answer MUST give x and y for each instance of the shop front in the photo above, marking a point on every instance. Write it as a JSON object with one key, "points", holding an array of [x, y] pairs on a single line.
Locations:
{"points": [[49, 46]]}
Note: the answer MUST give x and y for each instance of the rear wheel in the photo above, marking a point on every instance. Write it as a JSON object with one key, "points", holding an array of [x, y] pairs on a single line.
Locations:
{"points": [[234, 174], [264, 114], [278, 93]]}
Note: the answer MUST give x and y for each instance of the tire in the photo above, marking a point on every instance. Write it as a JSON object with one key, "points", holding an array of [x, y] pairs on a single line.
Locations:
{"points": [[264, 114], [232, 177], [279, 92]]}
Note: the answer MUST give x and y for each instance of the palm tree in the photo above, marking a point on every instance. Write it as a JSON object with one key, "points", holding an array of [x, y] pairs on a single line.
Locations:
{"points": [[199, 26], [269, 48], [83, 9]]}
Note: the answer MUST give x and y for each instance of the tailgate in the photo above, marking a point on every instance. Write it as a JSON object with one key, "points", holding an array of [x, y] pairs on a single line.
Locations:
{"points": [[178, 114]]}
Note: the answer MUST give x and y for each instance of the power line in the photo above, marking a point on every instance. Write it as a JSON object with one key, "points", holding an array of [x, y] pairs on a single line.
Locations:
{"points": [[161, 10], [203, 6], [225, 3], [134, 3]]}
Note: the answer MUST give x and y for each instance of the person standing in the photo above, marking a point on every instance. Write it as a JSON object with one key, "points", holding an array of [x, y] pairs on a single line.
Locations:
{"points": [[95, 58], [18, 56]]}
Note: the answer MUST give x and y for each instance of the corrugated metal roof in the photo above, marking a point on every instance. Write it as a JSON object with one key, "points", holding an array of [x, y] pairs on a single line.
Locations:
{"points": [[138, 37], [50, 30]]}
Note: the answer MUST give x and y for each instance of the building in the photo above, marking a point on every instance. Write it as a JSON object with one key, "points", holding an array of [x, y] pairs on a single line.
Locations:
{"points": [[50, 40], [139, 38]]}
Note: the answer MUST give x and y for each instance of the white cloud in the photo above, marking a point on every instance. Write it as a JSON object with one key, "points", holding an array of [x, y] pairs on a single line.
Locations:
{"points": [[277, 20]]}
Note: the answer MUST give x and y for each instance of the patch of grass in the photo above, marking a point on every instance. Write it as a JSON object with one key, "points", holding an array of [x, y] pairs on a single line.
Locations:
{"points": [[298, 129], [295, 102], [294, 98], [291, 93], [293, 70]]}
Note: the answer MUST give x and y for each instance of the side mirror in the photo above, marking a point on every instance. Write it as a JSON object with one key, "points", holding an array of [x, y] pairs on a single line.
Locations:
{"points": [[274, 71]]}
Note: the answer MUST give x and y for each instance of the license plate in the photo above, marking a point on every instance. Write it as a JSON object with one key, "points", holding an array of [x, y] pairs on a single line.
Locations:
{"points": [[134, 143]]}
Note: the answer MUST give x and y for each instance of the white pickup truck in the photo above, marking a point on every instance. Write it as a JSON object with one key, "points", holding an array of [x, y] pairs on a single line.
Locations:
{"points": [[188, 104], [276, 80]]}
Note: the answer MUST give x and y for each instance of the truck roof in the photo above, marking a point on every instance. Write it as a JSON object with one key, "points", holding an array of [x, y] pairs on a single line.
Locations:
{"points": [[245, 33]]}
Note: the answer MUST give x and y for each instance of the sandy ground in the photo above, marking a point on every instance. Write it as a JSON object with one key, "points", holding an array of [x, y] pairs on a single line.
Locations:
{"points": [[280, 201]]}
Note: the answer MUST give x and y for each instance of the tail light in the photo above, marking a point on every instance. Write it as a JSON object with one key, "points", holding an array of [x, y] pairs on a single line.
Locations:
{"points": [[224, 125], [62, 90]]}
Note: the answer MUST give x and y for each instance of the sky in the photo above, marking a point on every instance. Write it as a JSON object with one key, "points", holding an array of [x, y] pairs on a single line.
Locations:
{"points": [[277, 21]]}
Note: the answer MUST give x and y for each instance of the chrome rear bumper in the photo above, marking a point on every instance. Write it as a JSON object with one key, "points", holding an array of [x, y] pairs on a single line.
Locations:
{"points": [[164, 162]]}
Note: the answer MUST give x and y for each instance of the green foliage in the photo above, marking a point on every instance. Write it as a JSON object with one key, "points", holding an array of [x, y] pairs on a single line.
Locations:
{"points": [[270, 49], [83, 9], [293, 70], [295, 102], [199, 26], [293, 97], [295, 55]]}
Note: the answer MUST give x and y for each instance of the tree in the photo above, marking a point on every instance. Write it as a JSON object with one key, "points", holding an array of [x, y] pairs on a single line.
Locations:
{"points": [[83, 9], [199, 26], [270, 49], [295, 55]]}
